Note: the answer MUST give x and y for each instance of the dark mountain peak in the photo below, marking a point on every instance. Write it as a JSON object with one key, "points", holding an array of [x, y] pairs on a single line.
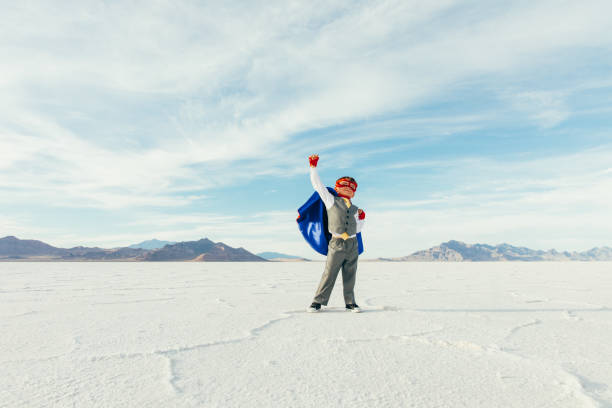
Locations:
{"points": [[12, 246], [82, 248], [201, 250], [451, 244], [454, 243]]}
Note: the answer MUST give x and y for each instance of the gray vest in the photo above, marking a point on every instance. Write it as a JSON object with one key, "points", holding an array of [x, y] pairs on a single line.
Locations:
{"points": [[341, 218]]}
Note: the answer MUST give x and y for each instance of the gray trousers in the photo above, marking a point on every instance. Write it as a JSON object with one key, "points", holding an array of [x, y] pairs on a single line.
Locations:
{"points": [[340, 254]]}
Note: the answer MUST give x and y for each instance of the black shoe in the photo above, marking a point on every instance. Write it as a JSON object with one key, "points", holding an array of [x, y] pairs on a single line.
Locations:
{"points": [[314, 307], [353, 307]]}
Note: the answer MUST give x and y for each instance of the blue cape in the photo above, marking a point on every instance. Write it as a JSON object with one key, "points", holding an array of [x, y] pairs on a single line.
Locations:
{"points": [[312, 223]]}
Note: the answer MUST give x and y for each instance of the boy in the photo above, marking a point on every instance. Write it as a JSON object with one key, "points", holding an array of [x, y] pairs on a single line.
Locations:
{"points": [[344, 221]]}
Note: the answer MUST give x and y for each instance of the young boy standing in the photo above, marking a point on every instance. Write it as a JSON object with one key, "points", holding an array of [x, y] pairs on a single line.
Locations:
{"points": [[344, 221]]}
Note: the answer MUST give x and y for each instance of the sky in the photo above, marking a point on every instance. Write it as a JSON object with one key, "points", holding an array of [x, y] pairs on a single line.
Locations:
{"points": [[484, 122]]}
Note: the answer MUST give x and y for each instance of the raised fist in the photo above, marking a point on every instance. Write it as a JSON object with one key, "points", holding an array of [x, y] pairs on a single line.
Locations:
{"points": [[314, 159], [361, 214]]}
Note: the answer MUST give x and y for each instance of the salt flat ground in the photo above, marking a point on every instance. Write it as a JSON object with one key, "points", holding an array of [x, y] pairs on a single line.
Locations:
{"points": [[237, 335]]}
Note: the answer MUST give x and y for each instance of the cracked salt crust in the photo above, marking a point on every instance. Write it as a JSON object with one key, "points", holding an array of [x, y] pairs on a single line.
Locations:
{"points": [[191, 335]]}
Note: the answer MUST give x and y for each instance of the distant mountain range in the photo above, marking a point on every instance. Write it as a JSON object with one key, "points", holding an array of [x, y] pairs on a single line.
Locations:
{"points": [[152, 244], [456, 251], [204, 250]]}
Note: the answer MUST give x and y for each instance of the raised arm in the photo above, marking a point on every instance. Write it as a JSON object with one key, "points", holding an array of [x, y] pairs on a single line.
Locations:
{"points": [[326, 196]]}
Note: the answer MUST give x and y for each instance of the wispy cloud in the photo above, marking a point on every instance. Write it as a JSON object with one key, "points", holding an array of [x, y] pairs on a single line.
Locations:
{"points": [[546, 108]]}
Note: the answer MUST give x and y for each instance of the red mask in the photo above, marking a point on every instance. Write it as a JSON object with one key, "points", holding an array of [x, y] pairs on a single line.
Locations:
{"points": [[346, 183]]}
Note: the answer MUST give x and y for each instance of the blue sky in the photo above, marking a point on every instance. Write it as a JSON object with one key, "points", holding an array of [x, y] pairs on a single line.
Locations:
{"points": [[470, 120]]}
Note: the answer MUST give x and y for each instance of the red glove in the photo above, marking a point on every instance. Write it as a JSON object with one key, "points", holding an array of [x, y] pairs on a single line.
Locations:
{"points": [[361, 215], [313, 160]]}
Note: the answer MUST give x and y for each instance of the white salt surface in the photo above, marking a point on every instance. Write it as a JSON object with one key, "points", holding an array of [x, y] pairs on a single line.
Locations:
{"points": [[237, 335]]}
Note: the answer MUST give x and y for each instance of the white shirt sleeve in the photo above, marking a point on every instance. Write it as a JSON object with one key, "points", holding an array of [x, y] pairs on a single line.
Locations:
{"points": [[326, 196], [359, 222]]}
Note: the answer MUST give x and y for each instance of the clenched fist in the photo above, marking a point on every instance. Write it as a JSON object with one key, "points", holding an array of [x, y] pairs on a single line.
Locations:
{"points": [[313, 159]]}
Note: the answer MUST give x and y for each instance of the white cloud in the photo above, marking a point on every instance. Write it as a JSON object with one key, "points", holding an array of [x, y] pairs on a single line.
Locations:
{"points": [[563, 202], [546, 108], [251, 76]]}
